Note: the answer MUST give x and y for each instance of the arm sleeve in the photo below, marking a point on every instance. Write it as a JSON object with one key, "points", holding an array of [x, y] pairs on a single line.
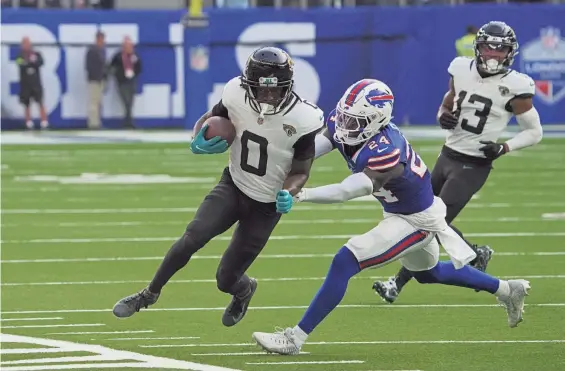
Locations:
{"points": [[531, 133], [220, 110], [355, 185], [305, 146]]}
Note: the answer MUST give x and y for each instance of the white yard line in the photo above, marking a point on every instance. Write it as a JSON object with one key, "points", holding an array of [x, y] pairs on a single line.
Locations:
{"points": [[344, 306], [215, 257], [102, 332], [376, 342], [52, 326], [30, 319], [272, 238], [98, 358], [153, 338], [126, 359], [279, 279], [370, 206], [544, 218], [306, 362], [235, 354], [32, 350]]}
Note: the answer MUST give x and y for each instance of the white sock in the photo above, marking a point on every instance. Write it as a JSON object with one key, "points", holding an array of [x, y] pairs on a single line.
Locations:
{"points": [[503, 289], [300, 336]]}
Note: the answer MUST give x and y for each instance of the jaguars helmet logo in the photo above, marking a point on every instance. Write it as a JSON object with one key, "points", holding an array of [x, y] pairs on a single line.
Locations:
{"points": [[290, 61]]}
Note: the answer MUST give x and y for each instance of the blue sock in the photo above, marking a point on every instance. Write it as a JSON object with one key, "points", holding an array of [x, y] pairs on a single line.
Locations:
{"points": [[344, 266], [445, 273]]}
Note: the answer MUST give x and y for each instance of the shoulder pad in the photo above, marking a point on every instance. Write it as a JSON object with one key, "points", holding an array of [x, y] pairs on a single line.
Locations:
{"points": [[382, 154], [459, 64], [519, 83], [308, 116], [232, 92]]}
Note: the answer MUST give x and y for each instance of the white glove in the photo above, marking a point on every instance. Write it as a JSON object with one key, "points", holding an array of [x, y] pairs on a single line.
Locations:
{"points": [[301, 196]]}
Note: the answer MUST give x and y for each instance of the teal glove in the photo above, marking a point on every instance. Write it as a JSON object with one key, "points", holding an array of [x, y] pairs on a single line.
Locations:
{"points": [[284, 201], [201, 146]]}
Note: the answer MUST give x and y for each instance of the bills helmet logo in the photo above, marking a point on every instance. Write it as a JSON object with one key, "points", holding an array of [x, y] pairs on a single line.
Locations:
{"points": [[379, 98]]}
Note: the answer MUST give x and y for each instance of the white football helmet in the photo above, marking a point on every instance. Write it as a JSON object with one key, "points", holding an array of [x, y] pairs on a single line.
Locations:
{"points": [[364, 109]]}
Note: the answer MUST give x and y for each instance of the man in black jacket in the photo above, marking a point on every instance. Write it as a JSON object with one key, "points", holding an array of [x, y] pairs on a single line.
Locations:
{"points": [[29, 62], [126, 66]]}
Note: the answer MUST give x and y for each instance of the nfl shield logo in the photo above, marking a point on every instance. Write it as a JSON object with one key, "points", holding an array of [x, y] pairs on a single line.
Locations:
{"points": [[544, 60], [199, 58]]}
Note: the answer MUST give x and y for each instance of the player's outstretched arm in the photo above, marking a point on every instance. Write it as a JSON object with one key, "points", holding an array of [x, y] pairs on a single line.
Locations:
{"points": [[355, 185], [529, 121], [528, 118], [324, 143]]}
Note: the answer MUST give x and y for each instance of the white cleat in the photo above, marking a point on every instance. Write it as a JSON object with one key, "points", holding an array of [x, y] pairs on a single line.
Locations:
{"points": [[514, 303], [280, 342]]}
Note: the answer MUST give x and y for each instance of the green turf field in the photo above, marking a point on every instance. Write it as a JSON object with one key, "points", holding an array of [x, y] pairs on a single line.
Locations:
{"points": [[72, 246]]}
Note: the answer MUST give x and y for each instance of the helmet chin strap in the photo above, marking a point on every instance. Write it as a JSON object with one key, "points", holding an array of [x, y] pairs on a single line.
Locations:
{"points": [[264, 109]]}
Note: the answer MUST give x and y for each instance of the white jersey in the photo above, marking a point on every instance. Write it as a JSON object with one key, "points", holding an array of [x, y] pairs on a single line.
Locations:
{"points": [[484, 104], [262, 152]]}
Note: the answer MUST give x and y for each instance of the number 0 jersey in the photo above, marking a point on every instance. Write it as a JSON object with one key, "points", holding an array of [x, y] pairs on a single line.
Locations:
{"points": [[261, 154], [483, 104], [409, 194]]}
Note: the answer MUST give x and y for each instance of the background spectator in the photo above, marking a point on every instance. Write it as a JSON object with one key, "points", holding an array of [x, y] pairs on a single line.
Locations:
{"points": [[29, 62], [96, 73], [464, 45], [126, 67]]}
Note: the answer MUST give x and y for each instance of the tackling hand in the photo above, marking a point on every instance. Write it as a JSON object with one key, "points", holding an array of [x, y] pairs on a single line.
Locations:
{"points": [[448, 121], [200, 145], [284, 201], [493, 150]]}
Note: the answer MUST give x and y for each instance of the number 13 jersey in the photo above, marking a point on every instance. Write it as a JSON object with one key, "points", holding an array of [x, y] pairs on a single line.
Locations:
{"points": [[261, 154], [483, 104]]}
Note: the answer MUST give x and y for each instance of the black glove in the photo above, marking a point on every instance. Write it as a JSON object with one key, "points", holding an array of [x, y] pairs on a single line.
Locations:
{"points": [[448, 121], [493, 150]]}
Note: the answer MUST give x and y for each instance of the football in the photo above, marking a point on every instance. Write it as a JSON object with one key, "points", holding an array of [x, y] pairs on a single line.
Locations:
{"points": [[218, 126]]}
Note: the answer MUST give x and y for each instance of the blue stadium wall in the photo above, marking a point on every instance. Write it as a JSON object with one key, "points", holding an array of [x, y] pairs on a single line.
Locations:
{"points": [[184, 69]]}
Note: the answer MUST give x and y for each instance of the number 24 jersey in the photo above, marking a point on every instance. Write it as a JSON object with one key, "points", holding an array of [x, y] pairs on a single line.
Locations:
{"points": [[409, 194]]}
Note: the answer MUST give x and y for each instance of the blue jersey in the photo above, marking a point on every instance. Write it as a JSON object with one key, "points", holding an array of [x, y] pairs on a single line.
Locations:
{"points": [[409, 194]]}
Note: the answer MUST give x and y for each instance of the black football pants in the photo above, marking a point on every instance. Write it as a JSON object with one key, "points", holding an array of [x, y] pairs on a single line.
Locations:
{"points": [[223, 207]]}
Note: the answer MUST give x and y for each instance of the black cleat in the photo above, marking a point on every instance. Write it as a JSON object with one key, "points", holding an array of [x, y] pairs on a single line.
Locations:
{"points": [[484, 254], [129, 305], [387, 290], [238, 307]]}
